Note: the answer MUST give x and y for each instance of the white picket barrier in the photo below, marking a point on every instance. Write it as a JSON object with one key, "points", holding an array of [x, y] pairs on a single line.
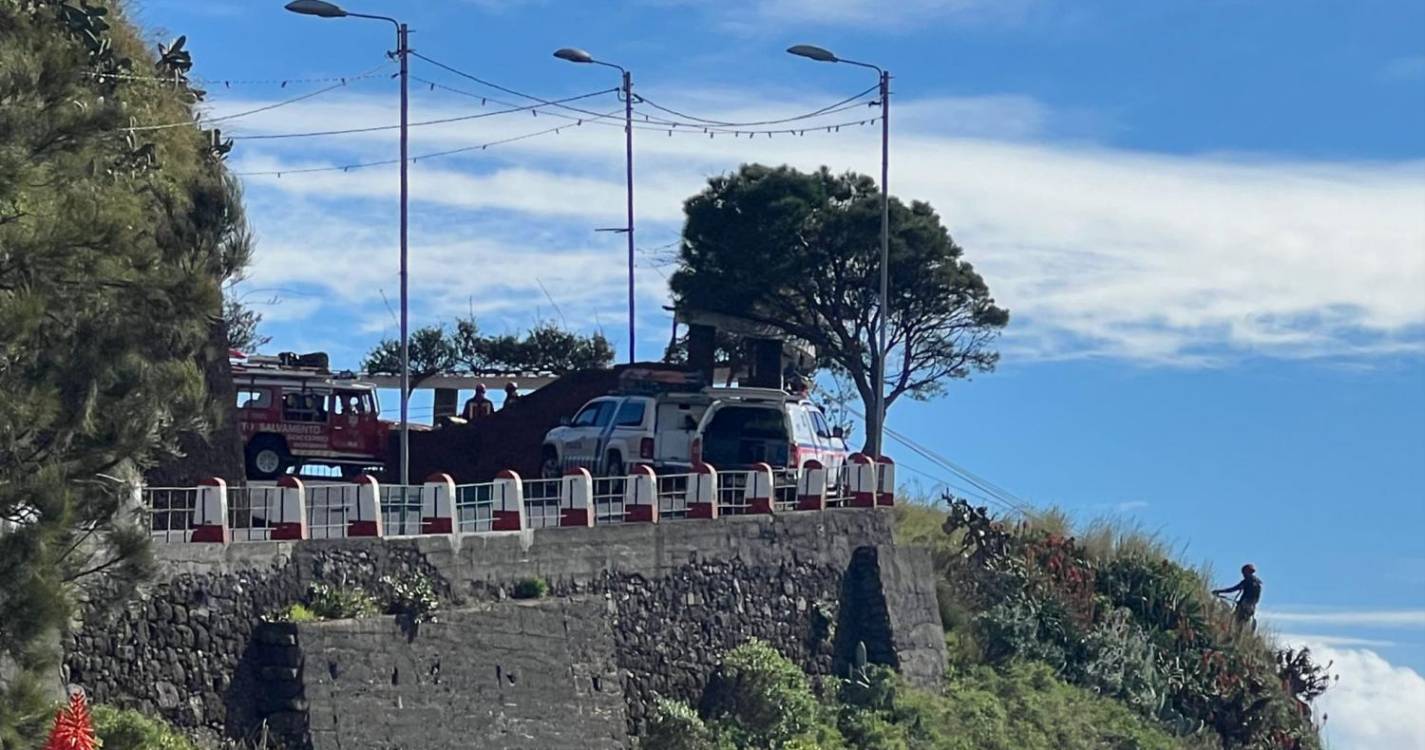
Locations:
{"points": [[438, 505], [640, 496], [577, 498]]}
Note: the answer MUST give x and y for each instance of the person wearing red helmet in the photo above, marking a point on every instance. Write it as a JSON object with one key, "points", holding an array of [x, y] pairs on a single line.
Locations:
{"points": [[1249, 592]]}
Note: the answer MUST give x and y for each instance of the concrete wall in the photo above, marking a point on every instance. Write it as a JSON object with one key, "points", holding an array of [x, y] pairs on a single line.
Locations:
{"points": [[538, 676], [672, 596]]}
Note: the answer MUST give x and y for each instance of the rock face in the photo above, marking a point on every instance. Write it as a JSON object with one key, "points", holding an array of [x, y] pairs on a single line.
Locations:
{"points": [[645, 609]]}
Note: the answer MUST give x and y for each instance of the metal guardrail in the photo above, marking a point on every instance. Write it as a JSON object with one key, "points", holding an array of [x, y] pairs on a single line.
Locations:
{"points": [[609, 494], [542, 502], [170, 512], [368, 508]]}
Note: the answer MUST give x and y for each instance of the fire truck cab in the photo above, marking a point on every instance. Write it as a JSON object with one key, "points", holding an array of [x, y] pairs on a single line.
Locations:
{"points": [[293, 411]]}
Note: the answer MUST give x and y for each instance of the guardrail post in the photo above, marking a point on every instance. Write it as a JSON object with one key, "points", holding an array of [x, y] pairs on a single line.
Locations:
{"points": [[576, 498], [210, 512], [761, 490], [702, 492], [640, 496], [885, 481], [438, 505], [811, 486], [288, 506], [509, 502], [863, 481], [364, 508]]}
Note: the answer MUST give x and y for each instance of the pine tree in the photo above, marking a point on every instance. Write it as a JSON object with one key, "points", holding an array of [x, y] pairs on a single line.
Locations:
{"points": [[113, 246]]}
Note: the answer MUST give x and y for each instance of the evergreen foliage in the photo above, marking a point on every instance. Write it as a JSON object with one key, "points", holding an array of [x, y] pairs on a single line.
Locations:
{"points": [[126, 729], [113, 247], [546, 348], [800, 253]]}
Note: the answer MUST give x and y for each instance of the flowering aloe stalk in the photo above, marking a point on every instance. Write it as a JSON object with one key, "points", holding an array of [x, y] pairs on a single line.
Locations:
{"points": [[73, 729]]}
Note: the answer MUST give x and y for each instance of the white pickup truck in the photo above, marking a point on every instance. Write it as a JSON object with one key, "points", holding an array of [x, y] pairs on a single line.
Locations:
{"points": [[725, 427]]}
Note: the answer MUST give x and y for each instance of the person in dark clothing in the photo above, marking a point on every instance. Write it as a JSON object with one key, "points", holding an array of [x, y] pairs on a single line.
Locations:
{"points": [[1249, 592], [478, 406], [512, 395]]}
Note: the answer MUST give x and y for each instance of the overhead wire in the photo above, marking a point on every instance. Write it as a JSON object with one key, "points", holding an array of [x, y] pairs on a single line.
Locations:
{"points": [[414, 159], [229, 82], [236, 115], [807, 115], [667, 126], [998, 495], [422, 123]]}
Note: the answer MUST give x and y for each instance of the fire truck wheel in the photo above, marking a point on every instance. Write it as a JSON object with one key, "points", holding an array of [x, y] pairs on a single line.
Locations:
{"points": [[266, 457]]}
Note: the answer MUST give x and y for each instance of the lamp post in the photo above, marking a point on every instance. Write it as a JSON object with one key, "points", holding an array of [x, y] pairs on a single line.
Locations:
{"points": [[874, 439], [328, 10], [575, 55]]}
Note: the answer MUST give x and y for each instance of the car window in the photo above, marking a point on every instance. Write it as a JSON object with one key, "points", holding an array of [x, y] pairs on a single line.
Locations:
{"points": [[801, 427], [253, 398], [630, 414], [822, 428], [589, 415]]}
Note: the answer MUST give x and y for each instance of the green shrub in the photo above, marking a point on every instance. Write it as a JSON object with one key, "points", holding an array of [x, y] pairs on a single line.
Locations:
{"points": [[530, 588], [339, 602], [758, 698], [411, 595], [125, 729], [676, 726]]}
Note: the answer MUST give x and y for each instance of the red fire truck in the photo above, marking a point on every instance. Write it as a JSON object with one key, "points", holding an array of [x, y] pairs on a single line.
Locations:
{"points": [[293, 411]]}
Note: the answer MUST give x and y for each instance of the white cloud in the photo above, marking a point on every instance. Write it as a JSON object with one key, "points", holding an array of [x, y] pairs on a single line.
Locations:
{"points": [[1391, 618], [1374, 705], [1185, 260], [1317, 640]]}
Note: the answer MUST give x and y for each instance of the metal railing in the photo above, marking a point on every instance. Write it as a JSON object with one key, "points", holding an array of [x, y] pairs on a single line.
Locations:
{"points": [[327, 514], [542, 502], [170, 512], [609, 499], [401, 509], [673, 493], [732, 492], [248, 510], [474, 508]]}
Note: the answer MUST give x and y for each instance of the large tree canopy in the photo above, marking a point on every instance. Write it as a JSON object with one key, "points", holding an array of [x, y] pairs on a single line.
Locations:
{"points": [[546, 348], [801, 252], [113, 246]]}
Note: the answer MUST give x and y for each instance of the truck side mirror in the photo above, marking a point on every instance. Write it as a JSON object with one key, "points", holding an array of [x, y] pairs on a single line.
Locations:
{"points": [[565, 421], [837, 432]]}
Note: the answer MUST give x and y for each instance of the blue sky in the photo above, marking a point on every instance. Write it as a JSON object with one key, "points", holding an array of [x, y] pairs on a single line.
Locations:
{"points": [[1207, 218]]}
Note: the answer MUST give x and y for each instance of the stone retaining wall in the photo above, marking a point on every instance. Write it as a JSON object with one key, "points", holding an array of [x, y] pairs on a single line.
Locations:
{"points": [[672, 596]]}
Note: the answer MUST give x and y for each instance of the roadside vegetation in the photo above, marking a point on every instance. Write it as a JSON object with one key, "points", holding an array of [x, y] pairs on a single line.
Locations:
{"points": [[114, 246], [1053, 641]]}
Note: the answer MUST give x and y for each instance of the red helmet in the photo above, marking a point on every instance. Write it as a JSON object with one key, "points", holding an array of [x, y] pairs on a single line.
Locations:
{"points": [[1248, 569]]}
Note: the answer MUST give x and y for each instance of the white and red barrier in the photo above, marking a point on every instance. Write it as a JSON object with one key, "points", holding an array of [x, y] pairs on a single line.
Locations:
{"points": [[811, 487], [640, 496], [291, 510], [438, 505], [576, 502], [210, 512], [861, 476], [287, 510], [508, 502], [885, 481]]}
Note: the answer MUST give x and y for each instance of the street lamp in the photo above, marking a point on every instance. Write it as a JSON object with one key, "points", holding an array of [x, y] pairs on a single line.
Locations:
{"points": [[576, 55], [820, 54], [328, 10]]}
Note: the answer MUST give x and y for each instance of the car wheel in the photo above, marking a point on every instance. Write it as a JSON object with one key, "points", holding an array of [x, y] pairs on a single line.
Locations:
{"points": [[549, 467], [266, 457], [614, 467]]}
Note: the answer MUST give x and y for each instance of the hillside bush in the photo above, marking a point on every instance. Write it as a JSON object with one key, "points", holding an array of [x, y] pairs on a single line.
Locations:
{"points": [[126, 729], [530, 588], [1118, 618], [411, 596], [328, 602]]}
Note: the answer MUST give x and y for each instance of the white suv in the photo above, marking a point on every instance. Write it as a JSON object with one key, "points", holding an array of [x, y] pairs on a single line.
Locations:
{"points": [[746, 426], [612, 433]]}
